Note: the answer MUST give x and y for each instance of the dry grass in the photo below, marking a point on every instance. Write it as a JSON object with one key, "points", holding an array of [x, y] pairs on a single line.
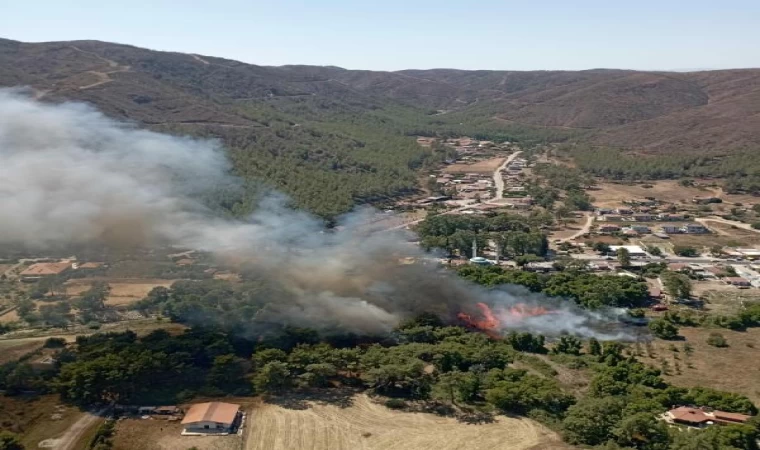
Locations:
{"points": [[124, 291], [367, 425], [484, 167], [735, 368], [722, 298], [612, 194], [11, 316], [13, 349], [32, 417]]}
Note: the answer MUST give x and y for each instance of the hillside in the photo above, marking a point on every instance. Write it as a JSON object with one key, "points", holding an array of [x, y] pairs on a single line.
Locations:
{"points": [[331, 137]]}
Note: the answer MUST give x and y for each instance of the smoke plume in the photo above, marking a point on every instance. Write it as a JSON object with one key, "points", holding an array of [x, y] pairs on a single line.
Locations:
{"points": [[70, 175]]}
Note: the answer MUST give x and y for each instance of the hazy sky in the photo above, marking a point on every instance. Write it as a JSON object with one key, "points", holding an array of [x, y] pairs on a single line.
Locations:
{"points": [[398, 34]]}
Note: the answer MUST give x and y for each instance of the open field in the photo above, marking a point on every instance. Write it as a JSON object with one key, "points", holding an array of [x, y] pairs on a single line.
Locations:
{"points": [[123, 290], [38, 418], [612, 194], [721, 298], [735, 368], [484, 167], [370, 426]]}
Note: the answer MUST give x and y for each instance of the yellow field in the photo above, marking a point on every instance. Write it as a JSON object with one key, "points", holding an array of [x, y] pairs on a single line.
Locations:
{"points": [[123, 290], [369, 426]]}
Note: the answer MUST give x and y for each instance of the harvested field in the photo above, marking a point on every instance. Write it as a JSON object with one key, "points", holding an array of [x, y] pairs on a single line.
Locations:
{"points": [[486, 167], [735, 368], [138, 434], [370, 426], [124, 291]]}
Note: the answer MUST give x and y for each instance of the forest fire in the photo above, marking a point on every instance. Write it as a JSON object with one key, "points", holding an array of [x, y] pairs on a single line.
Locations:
{"points": [[492, 321]]}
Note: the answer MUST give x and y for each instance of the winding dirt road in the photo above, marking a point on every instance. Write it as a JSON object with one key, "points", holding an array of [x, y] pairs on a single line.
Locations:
{"points": [[585, 229]]}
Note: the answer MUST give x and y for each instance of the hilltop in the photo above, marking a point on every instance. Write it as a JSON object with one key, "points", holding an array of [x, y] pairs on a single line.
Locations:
{"points": [[331, 137]]}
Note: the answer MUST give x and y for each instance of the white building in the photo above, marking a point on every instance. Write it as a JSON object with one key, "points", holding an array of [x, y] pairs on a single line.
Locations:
{"points": [[633, 250]]}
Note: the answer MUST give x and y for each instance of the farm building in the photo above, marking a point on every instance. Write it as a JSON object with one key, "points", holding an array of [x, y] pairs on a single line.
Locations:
{"points": [[44, 270], [670, 229], [211, 417], [695, 228], [697, 417]]}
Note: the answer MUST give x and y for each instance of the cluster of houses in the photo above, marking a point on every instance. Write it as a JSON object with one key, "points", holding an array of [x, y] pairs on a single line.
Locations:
{"points": [[742, 277], [468, 186], [662, 231]]}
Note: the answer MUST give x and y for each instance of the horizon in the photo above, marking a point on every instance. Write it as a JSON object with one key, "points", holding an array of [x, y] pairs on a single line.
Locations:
{"points": [[488, 35], [678, 70]]}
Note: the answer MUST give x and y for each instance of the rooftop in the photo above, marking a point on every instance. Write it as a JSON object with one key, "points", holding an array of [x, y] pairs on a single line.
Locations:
{"points": [[41, 269], [218, 412]]}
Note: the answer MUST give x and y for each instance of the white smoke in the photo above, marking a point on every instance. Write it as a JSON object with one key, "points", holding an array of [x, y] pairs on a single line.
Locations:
{"points": [[70, 175]]}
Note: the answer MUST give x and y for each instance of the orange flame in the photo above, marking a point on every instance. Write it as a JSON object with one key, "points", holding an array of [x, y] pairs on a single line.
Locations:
{"points": [[490, 322]]}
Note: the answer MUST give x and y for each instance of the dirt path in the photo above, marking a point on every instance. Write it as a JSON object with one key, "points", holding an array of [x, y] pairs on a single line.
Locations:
{"points": [[368, 426], [70, 439], [585, 229], [201, 60], [499, 180], [104, 77]]}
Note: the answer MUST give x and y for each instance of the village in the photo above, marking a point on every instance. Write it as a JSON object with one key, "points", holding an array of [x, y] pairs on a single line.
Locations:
{"points": [[629, 232]]}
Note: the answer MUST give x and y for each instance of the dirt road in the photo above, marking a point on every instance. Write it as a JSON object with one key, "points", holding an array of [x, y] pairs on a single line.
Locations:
{"points": [[499, 181], [585, 229], [70, 439]]}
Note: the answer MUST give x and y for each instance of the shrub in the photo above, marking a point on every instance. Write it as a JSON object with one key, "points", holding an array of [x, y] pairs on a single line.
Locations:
{"points": [[54, 342], [395, 403], [717, 340], [663, 329]]}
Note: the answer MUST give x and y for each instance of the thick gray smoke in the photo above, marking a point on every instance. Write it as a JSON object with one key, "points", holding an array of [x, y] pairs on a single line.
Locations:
{"points": [[69, 175]]}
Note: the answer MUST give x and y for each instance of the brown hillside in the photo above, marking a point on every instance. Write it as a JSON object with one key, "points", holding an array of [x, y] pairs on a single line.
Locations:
{"points": [[652, 111]]}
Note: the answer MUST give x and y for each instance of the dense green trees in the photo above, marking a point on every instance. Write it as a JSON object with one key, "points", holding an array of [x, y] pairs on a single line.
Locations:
{"points": [[514, 234], [587, 289]]}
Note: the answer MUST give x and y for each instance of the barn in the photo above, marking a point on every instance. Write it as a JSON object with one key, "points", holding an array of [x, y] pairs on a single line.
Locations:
{"points": [[211, 418]]}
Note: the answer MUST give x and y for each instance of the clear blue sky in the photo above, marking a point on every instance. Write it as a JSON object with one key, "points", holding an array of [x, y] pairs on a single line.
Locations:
{"points": [[398, 34]]}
